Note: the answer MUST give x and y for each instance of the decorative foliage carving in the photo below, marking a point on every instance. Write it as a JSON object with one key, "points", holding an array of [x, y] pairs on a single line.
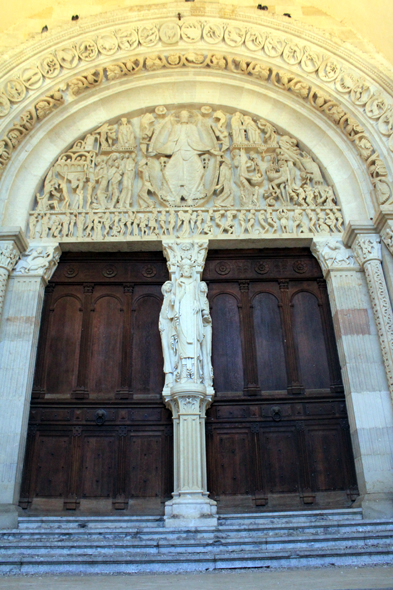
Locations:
{"points": [[14, 136], [9, 255], [39, 260], [328, 71], [185, 322], [367, 249], [184, 173]]}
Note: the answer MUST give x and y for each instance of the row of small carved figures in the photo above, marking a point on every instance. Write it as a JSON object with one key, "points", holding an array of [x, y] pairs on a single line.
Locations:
{"points": [[98, 225]]}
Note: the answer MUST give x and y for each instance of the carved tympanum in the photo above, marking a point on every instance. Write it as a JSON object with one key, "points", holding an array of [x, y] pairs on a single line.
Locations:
{"points": [[183, 173]]}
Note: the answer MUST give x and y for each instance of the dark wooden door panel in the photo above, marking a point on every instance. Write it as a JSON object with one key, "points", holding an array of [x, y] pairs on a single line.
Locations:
{"points": [[145, 466], [234, 462], [52, 465], [98, 427], [227, 343], [105, 345], [147, 363], [98, 466], [64, 344], [325, 451], [272, 374], [280, 452], [310, 344]]}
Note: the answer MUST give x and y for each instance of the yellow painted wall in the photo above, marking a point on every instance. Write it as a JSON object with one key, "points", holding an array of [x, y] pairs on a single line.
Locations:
{"points": [[359, 22]]}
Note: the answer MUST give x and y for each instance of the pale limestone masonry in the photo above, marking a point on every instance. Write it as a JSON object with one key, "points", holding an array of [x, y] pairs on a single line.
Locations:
{"points": [[369, 406], [18, 343]]}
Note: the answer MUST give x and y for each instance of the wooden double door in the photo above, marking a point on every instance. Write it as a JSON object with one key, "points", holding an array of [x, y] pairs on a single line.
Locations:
{"points": [[99, 436]]}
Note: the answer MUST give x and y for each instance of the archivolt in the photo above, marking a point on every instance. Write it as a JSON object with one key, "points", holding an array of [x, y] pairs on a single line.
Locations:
{"points": [[259, 71]]}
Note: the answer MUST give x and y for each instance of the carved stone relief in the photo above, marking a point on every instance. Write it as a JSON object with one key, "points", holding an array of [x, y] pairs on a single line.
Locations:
{"points": [[290, 51], [320, 101], [184, 173]]}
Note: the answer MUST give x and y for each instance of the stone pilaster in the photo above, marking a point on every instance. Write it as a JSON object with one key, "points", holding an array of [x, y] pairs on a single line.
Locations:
{"points": [[367, 394], [18, 343], [367, 249], [185, 327], [12, 244]]}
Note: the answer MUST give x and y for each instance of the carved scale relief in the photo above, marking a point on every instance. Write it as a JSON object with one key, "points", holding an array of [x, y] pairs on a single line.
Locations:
{"points": [[184, 173]]}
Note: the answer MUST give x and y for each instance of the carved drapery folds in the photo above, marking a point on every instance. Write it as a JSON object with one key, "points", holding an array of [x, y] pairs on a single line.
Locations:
{"points": [[184, 173], [367, 249], [185, 322], [186, 334]]}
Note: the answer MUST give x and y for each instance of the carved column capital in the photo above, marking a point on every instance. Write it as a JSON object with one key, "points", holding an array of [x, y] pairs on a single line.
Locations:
{"points": [[40, 260], [333, 255], [367, 248], [185, 251], [9, 255]]}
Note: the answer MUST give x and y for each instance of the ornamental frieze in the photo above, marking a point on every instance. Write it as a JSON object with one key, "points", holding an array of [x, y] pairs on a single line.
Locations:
{"points": [[182, 173], [258, 41], [318, 100]]}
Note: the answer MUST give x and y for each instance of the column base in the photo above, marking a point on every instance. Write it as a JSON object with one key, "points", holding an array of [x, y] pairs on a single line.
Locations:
{"points": [[375, 506], [8, 516], [191, 511]]}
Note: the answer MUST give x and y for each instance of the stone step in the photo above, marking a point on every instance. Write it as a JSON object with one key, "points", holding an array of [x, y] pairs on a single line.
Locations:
{"points": [[131, 562], [192, 545], [45, 522]]}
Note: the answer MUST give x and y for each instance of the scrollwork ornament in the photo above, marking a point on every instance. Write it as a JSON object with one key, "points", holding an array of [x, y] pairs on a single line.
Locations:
{"points": [[4, 105], [383, 315]]}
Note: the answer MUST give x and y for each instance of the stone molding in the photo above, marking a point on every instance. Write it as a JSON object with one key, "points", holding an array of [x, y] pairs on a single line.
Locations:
{"points": [[40, 260], [329, 106]]}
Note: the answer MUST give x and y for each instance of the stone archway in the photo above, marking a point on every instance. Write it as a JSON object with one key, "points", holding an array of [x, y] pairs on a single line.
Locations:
{"points": [[331, 114]]}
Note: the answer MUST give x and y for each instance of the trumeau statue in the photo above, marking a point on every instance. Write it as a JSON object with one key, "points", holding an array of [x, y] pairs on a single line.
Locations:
{"points": [[196, 171], [185, 322]]}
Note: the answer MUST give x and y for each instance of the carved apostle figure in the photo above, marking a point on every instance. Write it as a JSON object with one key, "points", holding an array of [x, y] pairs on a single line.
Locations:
{"points": [[188, 324], [207, 336], [168, 333], [126, 136]]}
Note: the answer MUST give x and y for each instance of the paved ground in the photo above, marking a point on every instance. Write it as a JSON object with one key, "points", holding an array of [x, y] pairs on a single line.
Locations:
{"points": [[344, 578]]}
